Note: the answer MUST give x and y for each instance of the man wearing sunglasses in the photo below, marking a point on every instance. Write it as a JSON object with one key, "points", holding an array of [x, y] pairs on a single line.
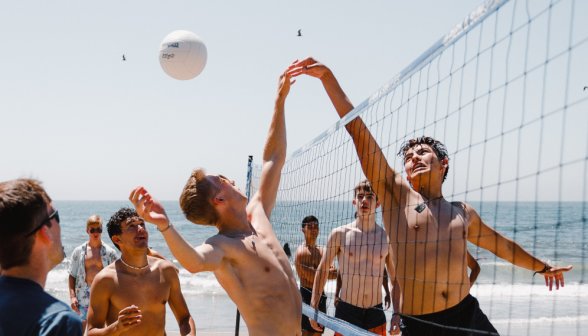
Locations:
{"points": [[245, 256], [86, 261], [30, 246]]}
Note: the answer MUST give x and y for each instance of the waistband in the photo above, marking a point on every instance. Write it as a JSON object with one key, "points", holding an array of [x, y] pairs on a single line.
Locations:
{"points": [[449, 311], [354, 307]]}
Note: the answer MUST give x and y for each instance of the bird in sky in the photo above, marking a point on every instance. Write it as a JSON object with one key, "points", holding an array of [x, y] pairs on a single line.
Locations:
{"points": [[299, 34], [124, 59], [585, 87]]}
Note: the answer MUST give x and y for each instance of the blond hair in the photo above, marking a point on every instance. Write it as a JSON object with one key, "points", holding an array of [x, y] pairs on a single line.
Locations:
{"points": [[196, 199], [95, 219]]}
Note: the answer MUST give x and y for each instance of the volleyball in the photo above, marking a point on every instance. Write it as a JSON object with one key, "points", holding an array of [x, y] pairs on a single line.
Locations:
{"points": [[182, 55]]}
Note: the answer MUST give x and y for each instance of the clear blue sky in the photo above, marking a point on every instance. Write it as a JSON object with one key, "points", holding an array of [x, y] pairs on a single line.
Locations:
{"points": [[92, 127]]}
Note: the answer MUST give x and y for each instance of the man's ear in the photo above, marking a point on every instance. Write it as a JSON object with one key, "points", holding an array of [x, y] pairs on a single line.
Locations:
{"points": [[116, 239], [354, 202], [219, 200], [378, 203], [444, 163]]}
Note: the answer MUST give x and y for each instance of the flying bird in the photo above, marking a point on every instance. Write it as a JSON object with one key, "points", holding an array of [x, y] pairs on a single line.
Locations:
{"points": [[585, 87], [124, 59], [299, 34]]}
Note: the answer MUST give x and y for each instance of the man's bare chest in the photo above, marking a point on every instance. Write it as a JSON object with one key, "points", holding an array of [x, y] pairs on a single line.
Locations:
{"points": [[92, 259], [150, 291], [361, 248], [429, 226]]}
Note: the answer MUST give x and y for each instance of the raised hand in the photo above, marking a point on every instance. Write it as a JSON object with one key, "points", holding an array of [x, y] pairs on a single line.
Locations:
{"points": [[309, 66], [555, 274], [394, 325], [149, 208], [286, 81], [128, 318]]}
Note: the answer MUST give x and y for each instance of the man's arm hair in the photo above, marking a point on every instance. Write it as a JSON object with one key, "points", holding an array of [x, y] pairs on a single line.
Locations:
{"points": [[177, 303], [474, 267], [386, 182]]}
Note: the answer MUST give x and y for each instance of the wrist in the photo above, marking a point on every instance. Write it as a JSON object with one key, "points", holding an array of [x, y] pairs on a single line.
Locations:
{"points": [[327, 76], [165, 228]]}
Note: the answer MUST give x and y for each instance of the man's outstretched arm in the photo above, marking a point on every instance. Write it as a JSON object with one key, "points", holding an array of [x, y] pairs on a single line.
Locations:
{"points": [[206, 257], [387, 183], [274, 152], [482, 235]]}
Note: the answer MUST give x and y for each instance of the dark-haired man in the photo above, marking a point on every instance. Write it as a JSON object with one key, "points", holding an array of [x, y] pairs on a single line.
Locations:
{"points": [[30, 246], [308, 256], [362, 250], [245, 256], [129, 296], [428, 235]]}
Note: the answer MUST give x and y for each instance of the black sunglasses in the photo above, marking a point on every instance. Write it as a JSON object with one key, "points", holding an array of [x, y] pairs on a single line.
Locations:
{"points": [[54, 215], [99, 230]]}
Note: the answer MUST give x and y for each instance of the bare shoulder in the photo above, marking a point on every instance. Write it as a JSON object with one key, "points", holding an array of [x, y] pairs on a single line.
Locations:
{"points": [[165, 266], [468, 211], [106, 278]]}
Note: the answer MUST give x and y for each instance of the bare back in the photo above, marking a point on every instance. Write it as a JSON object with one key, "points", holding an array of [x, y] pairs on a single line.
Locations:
{"points": [[260, 281], [429, 251], [362, 258]]}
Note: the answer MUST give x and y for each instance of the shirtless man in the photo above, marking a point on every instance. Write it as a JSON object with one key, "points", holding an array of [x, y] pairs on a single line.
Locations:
{"points": [[307, 259], [86, 261], [245, 256], [128, 297], [362, 249], [428, 235]]}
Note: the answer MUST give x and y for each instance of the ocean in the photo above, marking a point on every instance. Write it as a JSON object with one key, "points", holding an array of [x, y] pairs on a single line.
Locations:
{"points": [[516, 302]]}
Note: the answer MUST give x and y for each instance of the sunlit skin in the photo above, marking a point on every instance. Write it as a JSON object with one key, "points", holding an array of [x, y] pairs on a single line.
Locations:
{"points": [[129, 301], [307, 259], [428, 249], [92, 263], [258, 278], [362, 249]]}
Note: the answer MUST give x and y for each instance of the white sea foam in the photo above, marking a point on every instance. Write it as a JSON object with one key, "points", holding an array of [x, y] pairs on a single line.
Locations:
{"points": [[543, 320], [506, 290]]}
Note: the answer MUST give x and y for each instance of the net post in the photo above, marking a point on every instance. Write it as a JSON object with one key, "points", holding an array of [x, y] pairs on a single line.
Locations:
{"points": [[248, 193]]}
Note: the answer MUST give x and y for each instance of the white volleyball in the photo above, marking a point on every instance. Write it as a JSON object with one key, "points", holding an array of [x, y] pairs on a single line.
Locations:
{"points": [[182, 55]]}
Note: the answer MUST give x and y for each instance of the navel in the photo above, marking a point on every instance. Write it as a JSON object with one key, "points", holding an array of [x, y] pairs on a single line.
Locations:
{"points": [[267, 269]]}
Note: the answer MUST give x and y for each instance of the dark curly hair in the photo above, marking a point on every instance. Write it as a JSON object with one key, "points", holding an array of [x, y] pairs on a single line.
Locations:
{"points": [[308, 219], [436, 145], [114, 225]]}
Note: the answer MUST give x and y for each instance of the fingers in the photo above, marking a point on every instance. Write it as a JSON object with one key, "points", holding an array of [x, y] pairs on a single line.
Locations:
{"points": [[550, 283], [134, 195], [129, 317], [546, 283], [314, 324]]}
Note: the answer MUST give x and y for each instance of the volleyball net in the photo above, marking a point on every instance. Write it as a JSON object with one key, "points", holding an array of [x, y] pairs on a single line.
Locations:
{"points": [[504, 91]]}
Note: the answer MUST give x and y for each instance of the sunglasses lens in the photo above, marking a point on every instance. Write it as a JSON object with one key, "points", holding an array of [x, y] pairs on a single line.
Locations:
{"points": [[57, 217], [99, 230]]}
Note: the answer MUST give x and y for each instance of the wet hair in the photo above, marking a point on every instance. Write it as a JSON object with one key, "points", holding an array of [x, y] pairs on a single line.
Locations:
{"points": [[364, 185], [437, 146], [95, 219], [308, 219], [23, 206], [114, 225], [196, 199]]}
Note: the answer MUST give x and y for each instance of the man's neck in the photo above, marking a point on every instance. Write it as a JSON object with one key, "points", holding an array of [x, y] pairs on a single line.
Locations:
{"points": [[34, 272], [93, 243], [232, 223], [135, 258], [366, 222], [429, 192], [310, 242]]}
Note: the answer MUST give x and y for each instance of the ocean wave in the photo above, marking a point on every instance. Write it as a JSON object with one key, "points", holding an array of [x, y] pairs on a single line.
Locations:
{"points": [[542, 320], [524, 290]]}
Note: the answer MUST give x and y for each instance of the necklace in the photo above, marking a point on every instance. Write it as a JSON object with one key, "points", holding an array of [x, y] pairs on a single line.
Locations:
{"points": [[419, 208], [139, 268]]}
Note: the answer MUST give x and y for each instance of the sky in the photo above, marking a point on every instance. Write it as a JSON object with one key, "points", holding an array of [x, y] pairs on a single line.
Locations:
{"points": [[92, 127]]}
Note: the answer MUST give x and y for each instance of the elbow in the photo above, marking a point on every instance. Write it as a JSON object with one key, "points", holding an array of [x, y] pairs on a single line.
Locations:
{"points": [[193, 268]]}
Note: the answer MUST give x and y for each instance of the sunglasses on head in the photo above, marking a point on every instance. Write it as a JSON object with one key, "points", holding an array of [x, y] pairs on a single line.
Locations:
{"points": [[54, 215], [93, 230]]}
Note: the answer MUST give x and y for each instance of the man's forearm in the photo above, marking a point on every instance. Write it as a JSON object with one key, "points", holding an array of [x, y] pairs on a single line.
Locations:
{"points": [[187, 327], [338, 97], [72, 286], [275, 144], [183, 251], [318, 286], [108, 331]]}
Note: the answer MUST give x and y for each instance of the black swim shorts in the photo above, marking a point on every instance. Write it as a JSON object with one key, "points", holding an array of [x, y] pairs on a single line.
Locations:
{"points": [[365, 318], [466, 314], [306, 297]]}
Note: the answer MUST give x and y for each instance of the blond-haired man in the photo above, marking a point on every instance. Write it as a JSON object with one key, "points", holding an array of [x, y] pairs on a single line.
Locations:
{"points": [[86, 261]]}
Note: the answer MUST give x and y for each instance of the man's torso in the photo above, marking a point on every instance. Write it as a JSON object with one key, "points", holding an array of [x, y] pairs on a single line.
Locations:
{"points": [[260, 281], [309, 258], [362, 258], [430, 255], [149, 292], [92, 263]]}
